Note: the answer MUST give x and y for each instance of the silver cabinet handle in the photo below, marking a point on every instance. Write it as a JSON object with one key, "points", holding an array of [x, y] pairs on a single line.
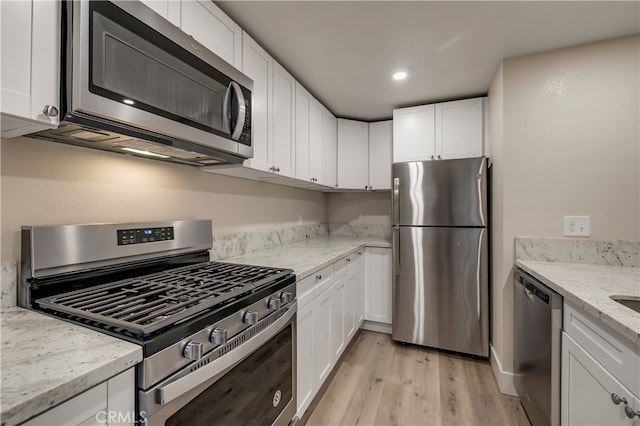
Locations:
{"points": [[50, 110], [617, 399], [630, 412], [277, 169]]}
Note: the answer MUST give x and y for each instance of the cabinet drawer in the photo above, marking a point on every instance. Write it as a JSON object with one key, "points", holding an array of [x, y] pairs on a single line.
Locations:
{"points": [[611, 350], [88, 408], [315, 282]]}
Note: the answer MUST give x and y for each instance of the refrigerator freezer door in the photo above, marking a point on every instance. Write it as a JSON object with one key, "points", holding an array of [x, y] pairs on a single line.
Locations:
{"points": [[440, 193], [441, 289]]}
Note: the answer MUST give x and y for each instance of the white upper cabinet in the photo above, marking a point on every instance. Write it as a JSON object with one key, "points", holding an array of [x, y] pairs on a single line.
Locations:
{"points": [[282, 152], [460, 129], [168, 9], [330, 149], [303, 102], [439, 131], [258, 66], [414, 133], [380, 142], [212, 28], [316, 142], [30, 98], [353, 158]]}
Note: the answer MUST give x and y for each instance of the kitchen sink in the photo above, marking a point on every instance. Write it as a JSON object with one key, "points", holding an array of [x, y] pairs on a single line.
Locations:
{"points": [[632, 302]]}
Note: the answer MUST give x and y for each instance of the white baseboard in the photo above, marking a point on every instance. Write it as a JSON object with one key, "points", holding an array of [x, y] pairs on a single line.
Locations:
{"points": [[505, 379], [376, 326]]}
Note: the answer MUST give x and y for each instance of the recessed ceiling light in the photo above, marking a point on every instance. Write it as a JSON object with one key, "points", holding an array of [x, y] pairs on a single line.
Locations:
{"points": [[147, 153], [128, 102], [400, 75]]}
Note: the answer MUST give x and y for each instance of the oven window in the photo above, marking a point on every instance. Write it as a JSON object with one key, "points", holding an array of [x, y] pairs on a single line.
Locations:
{"points": [[246, 395]]}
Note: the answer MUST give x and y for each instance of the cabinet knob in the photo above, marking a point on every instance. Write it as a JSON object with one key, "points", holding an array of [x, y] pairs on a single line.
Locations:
{"points": [[277, 169], [50, 110], [366, 187], [439, 157], [348, 259], [318, 277], [630, 412], [432, 157], [617, 399]]}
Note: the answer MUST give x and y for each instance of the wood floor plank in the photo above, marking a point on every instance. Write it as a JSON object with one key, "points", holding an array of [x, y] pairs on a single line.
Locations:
{"points": [[380, 382]]}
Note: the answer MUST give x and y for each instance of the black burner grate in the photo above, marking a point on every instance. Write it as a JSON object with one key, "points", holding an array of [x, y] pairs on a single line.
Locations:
{"points": [[149, 303]]}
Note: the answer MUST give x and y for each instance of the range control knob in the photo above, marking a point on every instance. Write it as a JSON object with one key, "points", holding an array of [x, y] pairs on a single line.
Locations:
{"points": [[274, 303], [192, 351], [286, 297], [250, 318], [218, 336]]}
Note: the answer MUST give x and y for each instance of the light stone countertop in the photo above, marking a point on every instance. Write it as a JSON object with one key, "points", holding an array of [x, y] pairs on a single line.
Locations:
{"points": [[306, 258], [589, 287], [55, 362]]}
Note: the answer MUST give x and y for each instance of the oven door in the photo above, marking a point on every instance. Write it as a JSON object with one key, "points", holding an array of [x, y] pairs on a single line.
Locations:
{"points": [[253, 384], [132, 66]]}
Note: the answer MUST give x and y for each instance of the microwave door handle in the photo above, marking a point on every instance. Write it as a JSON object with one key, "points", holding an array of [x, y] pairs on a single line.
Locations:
{"points": [[226, 109], [242, 111]]}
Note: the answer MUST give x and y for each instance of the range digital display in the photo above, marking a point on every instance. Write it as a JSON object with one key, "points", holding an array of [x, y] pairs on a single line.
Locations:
{"points": [[144, 235]]}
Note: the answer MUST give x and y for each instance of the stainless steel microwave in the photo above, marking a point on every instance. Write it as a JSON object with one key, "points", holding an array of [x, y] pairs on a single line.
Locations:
{"points": [[134, 83]]}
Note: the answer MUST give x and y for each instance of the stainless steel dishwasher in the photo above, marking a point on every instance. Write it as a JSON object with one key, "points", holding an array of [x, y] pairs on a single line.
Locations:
{"points": [[537, 339]]}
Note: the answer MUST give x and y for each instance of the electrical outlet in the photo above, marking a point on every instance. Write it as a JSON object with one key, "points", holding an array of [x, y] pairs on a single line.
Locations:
{"points": [[577, 226]]}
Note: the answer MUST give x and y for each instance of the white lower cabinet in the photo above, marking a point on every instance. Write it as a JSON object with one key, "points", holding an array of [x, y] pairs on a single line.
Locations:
{"points": [[589, 391], [359, 305], [600, 382], [110, 403], [377, 304], [327, 314]]}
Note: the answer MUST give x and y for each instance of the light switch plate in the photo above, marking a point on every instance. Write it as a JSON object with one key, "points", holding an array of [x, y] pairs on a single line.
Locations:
{"points": [[577, 226]]}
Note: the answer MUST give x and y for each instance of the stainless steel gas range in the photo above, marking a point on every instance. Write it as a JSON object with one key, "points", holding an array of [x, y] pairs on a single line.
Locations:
{"points": [[218, 338]]}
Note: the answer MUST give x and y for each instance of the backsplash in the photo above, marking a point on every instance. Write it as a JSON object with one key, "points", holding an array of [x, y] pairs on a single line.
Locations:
{"points": [[590, 252], [8, 285], [360, 230], [248, 242]]}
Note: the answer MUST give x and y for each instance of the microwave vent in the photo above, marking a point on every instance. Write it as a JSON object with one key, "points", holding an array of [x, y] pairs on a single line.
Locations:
{"points": [[170, 151]]}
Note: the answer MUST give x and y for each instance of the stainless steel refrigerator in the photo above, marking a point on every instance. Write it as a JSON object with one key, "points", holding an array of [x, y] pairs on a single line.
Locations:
{"points": [[440, 255]]}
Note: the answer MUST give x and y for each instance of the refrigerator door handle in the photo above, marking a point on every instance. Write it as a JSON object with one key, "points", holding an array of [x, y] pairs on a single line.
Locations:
{"points": [[395, 243], [395, 248]]}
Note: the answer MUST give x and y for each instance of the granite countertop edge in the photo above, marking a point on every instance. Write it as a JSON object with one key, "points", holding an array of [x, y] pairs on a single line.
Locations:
{"points": [[621, 319], [24, 398]]}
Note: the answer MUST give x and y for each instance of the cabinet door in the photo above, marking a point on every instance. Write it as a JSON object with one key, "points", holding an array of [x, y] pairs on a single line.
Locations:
{"points": [[414, 134], [350, 299], [587, 390], [305, 359], [316, 141], [353, 154], [337, 317], [322, 345], [460, 129], [30, 65], [168, 9], [258, 65], [380, 137], [303, 103], [282, 142], [212, 28], [330, 149], [378, 285], [360, 293]]}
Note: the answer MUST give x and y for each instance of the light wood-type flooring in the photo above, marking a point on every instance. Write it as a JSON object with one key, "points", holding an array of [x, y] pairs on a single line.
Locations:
{"points": [[380, 382]]}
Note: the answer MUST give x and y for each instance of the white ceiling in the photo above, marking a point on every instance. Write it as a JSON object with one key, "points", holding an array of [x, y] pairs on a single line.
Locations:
{"points": [[344, 52]]}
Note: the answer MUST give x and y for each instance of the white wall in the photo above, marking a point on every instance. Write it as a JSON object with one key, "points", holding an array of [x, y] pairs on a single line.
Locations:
{"points": [[47, 183], [360, 208], [565, 140]]}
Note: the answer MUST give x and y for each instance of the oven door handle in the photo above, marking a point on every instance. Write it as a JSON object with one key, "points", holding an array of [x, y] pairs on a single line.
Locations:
{"points": [[173, 390]]}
